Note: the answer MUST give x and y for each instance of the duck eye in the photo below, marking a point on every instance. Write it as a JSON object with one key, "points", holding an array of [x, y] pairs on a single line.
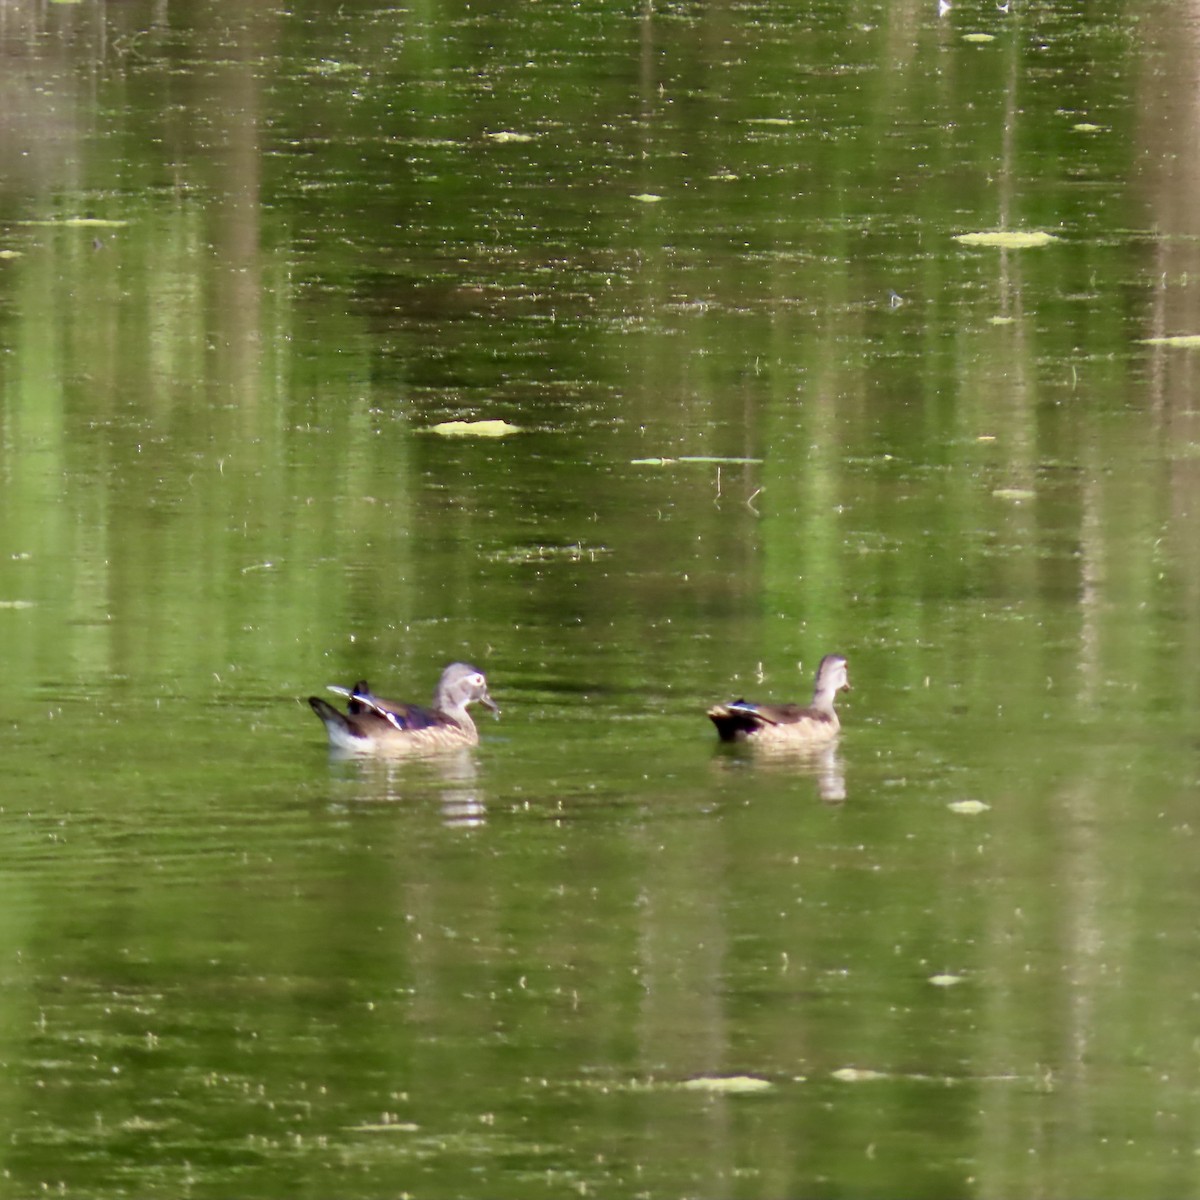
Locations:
{"points": [[477, 680]]}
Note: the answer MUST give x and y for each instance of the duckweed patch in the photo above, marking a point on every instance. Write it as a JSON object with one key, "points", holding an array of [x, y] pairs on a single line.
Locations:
{"points": [[727, 1085], [1007, 239], [474, 429], [1183, 340]]}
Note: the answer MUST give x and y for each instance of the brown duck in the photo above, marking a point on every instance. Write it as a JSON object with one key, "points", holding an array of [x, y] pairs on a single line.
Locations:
{"points": [[372, 725], [787, 725]]}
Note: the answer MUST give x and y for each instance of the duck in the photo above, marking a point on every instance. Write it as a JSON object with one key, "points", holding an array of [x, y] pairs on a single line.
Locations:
{"points": [[372, 725], [787, 725]]}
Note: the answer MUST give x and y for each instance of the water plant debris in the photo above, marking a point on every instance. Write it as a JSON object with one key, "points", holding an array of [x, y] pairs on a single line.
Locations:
{"points": [[1007, 239], [474, 428]]}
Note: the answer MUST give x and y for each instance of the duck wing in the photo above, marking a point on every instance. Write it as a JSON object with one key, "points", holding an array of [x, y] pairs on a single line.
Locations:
{"points": [[361, 701], [789, 714], [742, 718]]}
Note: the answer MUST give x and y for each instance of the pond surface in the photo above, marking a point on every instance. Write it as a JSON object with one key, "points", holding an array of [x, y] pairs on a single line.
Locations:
{"points": [[767, 407]]}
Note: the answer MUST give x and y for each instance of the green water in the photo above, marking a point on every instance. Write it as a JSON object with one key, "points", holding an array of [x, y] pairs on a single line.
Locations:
{"points": [[769, 408]]}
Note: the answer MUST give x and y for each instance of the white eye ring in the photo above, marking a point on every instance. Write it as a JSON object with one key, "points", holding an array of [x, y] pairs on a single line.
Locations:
{"points": [[477, 680]]}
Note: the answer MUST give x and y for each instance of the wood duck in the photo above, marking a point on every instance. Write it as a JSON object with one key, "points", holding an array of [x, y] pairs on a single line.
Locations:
{"points": [[787, 724], [371, 725]]}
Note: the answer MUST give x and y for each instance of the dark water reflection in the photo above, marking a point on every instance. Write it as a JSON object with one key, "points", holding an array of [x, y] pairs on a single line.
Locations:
{"points": [[955, 950]]}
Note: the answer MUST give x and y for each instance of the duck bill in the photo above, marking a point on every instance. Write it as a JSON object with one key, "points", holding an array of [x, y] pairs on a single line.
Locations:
{"points": [[488, 702]]}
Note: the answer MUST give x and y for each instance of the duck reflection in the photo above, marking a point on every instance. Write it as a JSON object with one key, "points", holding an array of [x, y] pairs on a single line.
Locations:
{"points": [[823, 763], [452, 778]]}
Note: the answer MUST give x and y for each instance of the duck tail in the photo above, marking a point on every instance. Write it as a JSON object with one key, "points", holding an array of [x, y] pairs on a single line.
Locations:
{"points": [[344, 733], [734, 721]]}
